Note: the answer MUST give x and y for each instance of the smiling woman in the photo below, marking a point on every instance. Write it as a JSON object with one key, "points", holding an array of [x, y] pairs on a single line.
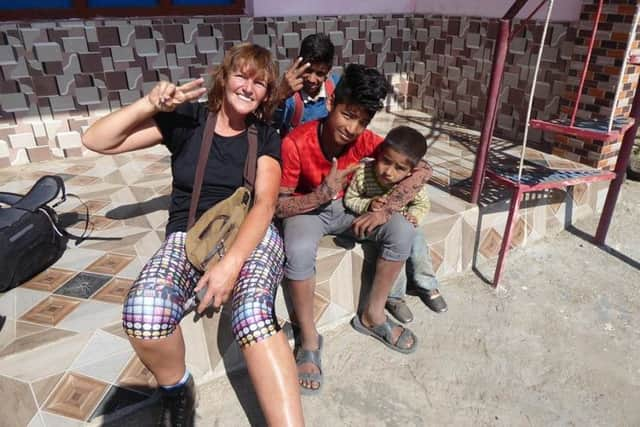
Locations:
{"points": [[251, 270]]}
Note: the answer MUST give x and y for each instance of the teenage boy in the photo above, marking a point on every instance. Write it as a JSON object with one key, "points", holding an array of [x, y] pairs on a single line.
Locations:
{"points": [[307, 84], [317, 160]]}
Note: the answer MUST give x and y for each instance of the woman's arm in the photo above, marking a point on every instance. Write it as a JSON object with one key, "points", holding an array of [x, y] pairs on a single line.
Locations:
{"points": [[132, 127], [221, 278]]}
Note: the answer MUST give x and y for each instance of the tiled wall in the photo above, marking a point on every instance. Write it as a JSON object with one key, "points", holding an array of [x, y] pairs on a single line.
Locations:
{"points": [[452, 68], [59, 76], [602, 79]]}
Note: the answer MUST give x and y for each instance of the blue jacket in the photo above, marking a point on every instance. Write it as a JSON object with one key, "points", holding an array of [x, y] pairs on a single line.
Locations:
{"points": [[314, 110]]}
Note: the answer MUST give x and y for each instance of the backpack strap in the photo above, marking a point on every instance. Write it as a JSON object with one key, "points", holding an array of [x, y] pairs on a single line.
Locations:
{"points": [[43, 191], [329, 86], [298, 103], [205, 147], [251, 163]]}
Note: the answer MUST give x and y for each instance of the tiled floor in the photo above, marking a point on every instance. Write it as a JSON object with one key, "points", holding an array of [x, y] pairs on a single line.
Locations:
{"points": [[64, 359]]}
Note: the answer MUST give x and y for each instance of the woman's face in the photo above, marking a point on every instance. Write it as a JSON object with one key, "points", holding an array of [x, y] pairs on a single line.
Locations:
{"points": [[245, 91]]}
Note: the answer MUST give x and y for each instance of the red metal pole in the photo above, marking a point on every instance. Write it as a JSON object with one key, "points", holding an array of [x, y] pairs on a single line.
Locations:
{"points": [[620, 170], [514, 9], [491, 107], [526, 20], [586, 63]]}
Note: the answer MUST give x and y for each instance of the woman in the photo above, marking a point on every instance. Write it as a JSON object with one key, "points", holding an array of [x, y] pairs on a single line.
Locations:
{"points": [[252, 268]]}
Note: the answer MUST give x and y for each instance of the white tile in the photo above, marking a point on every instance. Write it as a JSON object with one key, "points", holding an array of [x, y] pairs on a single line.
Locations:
{"points": [[29, 365], [107, 370], [133, 269], [78, 258], [37, 421], [91, 315], [8, 304], [26, 299], [101, 347], [52, 420]]}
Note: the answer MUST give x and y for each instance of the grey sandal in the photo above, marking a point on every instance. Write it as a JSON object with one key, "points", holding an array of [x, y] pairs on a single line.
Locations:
{"points": [[314, 357], [384, 333]]}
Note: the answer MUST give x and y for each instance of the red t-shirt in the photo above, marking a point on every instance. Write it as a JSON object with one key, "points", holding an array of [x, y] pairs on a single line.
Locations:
{"points": [[304, 166]]}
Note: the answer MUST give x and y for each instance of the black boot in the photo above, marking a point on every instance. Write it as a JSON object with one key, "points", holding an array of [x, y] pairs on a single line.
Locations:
{"points": [[178, 406]]}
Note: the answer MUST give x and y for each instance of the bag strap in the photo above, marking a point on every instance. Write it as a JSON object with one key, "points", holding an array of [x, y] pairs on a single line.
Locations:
{"points": [[250, 164], [205, 147]]}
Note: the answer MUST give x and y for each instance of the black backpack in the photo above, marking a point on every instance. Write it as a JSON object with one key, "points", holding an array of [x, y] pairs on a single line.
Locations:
{"points": [[31, 237]]}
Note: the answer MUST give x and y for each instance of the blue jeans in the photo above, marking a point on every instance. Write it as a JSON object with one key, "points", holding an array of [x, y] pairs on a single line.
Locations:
{"points": [[418, 270]]}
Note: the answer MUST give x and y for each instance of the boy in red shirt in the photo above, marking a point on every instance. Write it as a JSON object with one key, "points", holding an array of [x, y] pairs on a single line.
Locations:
{"points": [[317, 160]]}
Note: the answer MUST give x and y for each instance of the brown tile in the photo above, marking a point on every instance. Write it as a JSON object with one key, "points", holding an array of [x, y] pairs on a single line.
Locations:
{"points": [[115, 291], [45, 86], [490, 245], [99, 222], [50, 311], [108, 36], [82, 181], [76, 396], [78, 169], [156, 168], [109, 264], [580, 194], [50, 279], [521, 230], [93, 206], [136, 376], [90, 62]]}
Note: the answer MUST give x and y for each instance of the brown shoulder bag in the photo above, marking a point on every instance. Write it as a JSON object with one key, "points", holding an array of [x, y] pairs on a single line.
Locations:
{"points": [[209, 239]]}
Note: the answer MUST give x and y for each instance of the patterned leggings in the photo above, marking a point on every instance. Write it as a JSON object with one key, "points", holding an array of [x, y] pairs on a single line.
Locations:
{"points": [[154, 306]]}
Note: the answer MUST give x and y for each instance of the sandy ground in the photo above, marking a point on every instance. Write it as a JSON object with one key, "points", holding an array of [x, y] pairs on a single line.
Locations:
{"points": [[556, 345]]}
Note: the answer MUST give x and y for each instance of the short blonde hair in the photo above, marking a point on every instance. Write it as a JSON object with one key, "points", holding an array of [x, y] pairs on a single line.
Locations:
{"points": [[256, 61]]}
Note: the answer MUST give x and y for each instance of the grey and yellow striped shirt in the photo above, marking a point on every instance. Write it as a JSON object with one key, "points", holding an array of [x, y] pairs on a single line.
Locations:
{"points": [[364, 187]]}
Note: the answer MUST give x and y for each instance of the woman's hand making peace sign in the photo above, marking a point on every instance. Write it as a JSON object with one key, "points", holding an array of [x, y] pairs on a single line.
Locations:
{"points": [[166, 96]]}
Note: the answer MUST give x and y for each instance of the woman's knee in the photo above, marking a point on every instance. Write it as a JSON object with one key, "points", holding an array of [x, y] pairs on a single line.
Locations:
{"points": [[253, 320], [148, 314]]}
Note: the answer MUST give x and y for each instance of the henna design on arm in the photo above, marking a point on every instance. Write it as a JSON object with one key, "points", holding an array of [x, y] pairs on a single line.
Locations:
{"points": [[407, 189]]}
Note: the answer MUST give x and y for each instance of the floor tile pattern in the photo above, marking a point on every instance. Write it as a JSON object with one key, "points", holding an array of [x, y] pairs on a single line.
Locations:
{"points": [[72, 310]]}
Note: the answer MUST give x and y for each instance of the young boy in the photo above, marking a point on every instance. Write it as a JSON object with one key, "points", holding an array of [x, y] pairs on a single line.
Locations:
{"points": [[317, 159], [307, 84], [397, 156]]}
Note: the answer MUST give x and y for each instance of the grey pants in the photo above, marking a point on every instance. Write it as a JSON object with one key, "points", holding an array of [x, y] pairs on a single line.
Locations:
{"points": [[302, 233]]}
